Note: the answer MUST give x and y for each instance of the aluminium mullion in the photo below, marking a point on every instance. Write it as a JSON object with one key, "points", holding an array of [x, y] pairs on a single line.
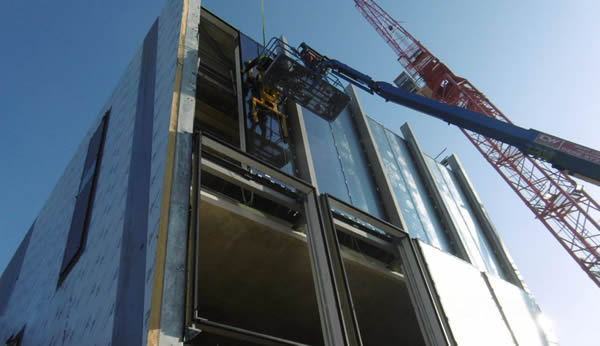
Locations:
{"points": [[433, 321], [197, 199], [342, 285], [331, 313]]}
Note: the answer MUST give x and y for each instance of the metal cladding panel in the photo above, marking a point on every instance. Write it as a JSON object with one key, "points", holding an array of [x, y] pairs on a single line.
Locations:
{"points": [[522, 313], [467, 302], [82, 310], [130, 304]]}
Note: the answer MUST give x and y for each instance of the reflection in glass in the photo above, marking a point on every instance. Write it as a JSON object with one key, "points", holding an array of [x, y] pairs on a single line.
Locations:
{"points": [[340, 163], [417, 208], [472, 234]]}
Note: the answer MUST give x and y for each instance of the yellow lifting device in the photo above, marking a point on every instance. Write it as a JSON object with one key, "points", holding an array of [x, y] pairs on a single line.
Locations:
{"points": [[264, 99]]}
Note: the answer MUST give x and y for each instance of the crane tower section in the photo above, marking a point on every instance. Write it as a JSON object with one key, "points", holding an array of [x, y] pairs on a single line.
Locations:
{"points": [[568, 212]]}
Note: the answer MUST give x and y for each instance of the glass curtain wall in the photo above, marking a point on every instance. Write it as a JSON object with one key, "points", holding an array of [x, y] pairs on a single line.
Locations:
{"points": [[413, 198], [340, 163], [473, 236]]}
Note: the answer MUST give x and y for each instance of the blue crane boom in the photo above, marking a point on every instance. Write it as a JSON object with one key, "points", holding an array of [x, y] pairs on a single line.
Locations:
{"points": [[307, 79]]}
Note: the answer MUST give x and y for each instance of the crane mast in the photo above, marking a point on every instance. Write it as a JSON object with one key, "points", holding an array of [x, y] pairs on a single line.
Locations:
{"points": [[568, 212]]}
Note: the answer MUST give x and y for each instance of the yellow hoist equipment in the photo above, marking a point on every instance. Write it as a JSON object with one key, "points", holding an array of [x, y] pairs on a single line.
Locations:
{"points": [[264, 99]]}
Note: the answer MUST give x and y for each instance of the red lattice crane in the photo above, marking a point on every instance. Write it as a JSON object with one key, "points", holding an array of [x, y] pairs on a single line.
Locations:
{"points": [[567, 211]]}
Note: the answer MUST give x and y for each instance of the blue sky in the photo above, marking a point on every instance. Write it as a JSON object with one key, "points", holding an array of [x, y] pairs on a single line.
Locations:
{"points": [[534, 59]]}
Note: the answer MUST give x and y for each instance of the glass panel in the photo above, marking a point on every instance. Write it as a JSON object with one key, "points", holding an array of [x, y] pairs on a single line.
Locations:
{"points": [[264, 138], [468, 304], [325, 158], [473, 236], [410, 191], [340, 162], [522, 313], [397, 180]]}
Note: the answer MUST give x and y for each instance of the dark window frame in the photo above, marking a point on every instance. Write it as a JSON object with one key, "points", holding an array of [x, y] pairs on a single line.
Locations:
{"points": [[82, 213]]}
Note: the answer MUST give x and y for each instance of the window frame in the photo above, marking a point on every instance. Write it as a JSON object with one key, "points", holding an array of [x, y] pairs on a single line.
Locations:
{"points": [[69, 260]]}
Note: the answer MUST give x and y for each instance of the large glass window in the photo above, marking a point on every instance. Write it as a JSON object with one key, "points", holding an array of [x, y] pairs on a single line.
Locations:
{"points": [[340, 162], [474, 238], [413, 198]]}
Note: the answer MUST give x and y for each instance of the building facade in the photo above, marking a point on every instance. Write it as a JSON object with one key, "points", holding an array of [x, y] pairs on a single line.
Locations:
{"points": [[184, 218]]}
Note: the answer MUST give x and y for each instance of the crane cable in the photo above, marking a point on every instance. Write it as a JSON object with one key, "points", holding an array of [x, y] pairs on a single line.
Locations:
{"points": [[262, 6]]}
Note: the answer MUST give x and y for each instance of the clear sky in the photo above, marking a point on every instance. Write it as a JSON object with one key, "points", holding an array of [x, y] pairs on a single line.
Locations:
{"points": [[536, 60]]}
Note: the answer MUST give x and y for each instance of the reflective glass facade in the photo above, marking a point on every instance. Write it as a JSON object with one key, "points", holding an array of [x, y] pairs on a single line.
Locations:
{"points": [[340, 162], [411, 193], [472, 235]]}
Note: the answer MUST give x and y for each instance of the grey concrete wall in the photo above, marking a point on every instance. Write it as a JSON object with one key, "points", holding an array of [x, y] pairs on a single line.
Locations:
{"points": [[82, 310]]}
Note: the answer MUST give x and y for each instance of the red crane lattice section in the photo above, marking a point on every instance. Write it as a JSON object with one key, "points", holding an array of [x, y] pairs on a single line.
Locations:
{"points": [[567, 211]]}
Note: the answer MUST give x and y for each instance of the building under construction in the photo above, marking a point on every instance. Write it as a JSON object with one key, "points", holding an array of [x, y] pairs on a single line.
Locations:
{"points": [[203, 208]]}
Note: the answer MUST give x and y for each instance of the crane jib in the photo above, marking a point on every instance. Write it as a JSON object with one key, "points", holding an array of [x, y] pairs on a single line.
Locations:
{"points": [[570, 148]]}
